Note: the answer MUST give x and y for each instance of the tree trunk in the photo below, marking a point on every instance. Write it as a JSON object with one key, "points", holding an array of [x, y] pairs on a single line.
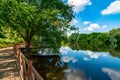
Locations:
{"points": [[27, 43], [27, 48]]}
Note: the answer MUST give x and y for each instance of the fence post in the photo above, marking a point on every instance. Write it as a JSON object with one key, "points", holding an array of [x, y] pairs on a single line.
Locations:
{"points": [[29, 72]]}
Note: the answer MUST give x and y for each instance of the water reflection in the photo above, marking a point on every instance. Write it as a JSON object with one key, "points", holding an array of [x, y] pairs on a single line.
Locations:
{"points": [[94, 55], [77, 65], [73, 74], [67, 59], [48, 51], [112, 73], [96, 48], [50, 67]]}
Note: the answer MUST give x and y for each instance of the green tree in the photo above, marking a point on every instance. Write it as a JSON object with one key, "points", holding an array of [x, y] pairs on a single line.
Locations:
{"points": [[36, 18], [114, 37]]}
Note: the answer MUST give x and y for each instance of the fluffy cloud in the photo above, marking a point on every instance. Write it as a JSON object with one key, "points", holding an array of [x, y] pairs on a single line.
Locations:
{"points": [[79, 5], [86, 22], [112, 73], [93, 26], [113, 8]]}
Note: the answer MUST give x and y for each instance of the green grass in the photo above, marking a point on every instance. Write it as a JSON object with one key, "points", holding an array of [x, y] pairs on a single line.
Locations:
{"points": [[5, 45], [8, 42]]}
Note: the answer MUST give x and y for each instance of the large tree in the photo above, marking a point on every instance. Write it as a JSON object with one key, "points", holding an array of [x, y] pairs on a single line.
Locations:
{"points": [[40, 18]]}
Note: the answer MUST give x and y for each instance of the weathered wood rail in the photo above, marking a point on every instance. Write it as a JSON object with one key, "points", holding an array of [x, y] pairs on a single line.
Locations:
{"points": [[27, 71]]}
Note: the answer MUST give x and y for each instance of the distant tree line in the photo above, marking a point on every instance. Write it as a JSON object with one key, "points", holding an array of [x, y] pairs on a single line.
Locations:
{"points": [[97, 40]]}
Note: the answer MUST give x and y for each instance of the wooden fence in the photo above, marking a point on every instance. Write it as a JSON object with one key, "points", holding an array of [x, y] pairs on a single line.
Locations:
{"points": [[27, 71]]}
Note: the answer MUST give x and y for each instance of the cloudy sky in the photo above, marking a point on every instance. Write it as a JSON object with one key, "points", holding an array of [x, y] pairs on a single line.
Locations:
{"points": [[96, 15]]}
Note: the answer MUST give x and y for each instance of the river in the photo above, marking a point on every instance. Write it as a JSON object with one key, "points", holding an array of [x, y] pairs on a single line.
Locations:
{"points": [[78, 65]]}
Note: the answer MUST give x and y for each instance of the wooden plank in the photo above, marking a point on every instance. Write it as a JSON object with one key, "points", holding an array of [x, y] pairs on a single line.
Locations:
{"points": [[28, 72], [8, 67]]}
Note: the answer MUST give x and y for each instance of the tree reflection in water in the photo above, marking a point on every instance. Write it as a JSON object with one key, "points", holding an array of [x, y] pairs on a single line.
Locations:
{"points": [[96, 48], [50, 67]]}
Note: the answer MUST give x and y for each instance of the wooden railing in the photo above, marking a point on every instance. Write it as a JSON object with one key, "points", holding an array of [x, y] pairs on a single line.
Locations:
{"points": [[27, 71]]}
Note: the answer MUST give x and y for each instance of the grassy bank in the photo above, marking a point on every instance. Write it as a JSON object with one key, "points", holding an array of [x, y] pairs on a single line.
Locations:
{"points": [[8, 42]]}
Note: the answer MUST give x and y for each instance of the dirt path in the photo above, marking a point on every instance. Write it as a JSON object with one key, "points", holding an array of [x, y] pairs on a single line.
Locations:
{"points": [[8, 69]]}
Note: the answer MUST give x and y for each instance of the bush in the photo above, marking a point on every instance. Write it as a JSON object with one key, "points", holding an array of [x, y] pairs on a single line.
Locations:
{"points": [[8, 42]]}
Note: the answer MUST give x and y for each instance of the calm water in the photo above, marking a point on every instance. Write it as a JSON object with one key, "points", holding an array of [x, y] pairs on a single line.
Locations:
{"points": [[78, 65]]}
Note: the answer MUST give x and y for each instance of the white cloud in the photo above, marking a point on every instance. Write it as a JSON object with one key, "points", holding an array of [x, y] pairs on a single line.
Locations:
{"points": [[112, 73], [113, 8], [93, 26], [79, 5], [86, 22], [73, 22]]}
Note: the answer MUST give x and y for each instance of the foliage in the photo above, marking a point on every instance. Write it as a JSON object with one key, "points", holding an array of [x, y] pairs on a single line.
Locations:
{"points": [[97, 40], [8, 37], [8, 42], [44, 20], [114, 37], [102, 42]]}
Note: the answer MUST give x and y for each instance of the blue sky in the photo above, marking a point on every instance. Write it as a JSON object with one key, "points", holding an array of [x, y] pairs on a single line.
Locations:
{"points": [[96, 15]]}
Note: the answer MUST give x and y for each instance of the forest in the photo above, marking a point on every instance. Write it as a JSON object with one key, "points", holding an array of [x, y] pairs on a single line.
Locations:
{"points": [[108, 42]]}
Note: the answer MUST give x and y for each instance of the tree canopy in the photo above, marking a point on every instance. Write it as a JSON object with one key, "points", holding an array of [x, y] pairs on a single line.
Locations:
{"points": [[46, 20]]}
